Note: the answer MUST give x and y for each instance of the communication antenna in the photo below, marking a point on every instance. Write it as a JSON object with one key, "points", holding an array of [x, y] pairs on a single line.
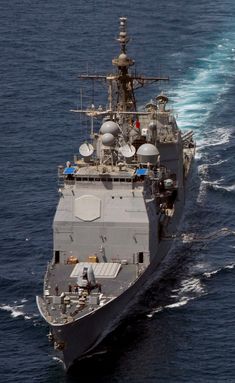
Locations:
{"points": [[127, 151], [86, 150]]}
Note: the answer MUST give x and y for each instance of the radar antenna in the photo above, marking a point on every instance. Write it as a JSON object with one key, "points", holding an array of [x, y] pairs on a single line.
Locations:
{"points": [[122, 84], [123, 38]]}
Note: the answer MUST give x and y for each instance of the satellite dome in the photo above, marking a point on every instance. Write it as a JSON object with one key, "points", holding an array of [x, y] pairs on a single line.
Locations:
{"points": [[122, 56], [148, 150], [148, 153], [109, 127], [108, 139]]}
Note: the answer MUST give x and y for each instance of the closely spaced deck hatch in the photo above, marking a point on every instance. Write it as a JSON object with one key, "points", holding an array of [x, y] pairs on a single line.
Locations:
{"points": [[101, 270]]}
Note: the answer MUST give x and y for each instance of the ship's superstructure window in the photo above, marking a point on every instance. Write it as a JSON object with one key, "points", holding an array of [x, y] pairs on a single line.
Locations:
{"points": [[57, 256], [103, 179], [140, 257]]}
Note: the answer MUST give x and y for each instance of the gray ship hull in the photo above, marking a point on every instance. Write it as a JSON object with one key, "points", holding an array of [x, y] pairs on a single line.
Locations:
{"points": [[81, 337], [119, 211]]}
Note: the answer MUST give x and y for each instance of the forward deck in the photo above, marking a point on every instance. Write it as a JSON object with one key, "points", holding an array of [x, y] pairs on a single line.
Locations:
{"points": [[64, 301]]}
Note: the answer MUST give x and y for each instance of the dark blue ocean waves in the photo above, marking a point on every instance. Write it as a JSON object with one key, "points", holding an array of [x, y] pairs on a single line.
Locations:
{"points": [[183, 328]]}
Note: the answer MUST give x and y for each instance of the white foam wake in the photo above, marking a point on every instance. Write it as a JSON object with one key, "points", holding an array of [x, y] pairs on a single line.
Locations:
{"points": [[216, 185], [16, 310], [217, 163], [224, 187], [180, 303], [190, 288], [198, 95], [216, 137], [55, 358], [209, 274]]}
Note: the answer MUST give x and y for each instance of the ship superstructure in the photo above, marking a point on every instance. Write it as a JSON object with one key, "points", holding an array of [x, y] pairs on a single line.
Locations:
{"points": [[120, 204]]}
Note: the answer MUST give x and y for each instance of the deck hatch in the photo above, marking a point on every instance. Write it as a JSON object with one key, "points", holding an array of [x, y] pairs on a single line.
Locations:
{"points": [[101, 270]]}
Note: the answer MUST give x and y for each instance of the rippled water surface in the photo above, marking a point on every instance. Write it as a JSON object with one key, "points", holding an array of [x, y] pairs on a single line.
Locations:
{"points": [[183, 329]]}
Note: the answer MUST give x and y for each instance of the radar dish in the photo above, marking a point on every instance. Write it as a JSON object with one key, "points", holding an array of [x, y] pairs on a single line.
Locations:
{"points": [[127, 151], [86, 150]]}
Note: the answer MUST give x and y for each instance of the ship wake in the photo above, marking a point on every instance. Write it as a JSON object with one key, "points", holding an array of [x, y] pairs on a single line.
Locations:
{"points": [[17, 309], [191, 288]]}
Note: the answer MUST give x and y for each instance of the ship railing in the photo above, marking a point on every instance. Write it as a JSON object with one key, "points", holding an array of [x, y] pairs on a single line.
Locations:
{"points": [[47, 274]]}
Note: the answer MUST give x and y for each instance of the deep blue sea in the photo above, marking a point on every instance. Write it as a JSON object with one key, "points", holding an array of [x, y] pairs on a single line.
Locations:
{"points": [[183, 329]]}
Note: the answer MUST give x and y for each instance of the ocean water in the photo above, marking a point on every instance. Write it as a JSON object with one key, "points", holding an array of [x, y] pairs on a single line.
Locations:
{"points": [[183, 330]]}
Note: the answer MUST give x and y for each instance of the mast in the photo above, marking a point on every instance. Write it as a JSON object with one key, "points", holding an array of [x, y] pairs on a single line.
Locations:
{"points": [[126, 98], [121, 84]]}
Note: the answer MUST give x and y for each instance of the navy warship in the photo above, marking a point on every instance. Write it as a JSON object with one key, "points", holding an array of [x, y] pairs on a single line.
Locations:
{"points": [[121, 201]]}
